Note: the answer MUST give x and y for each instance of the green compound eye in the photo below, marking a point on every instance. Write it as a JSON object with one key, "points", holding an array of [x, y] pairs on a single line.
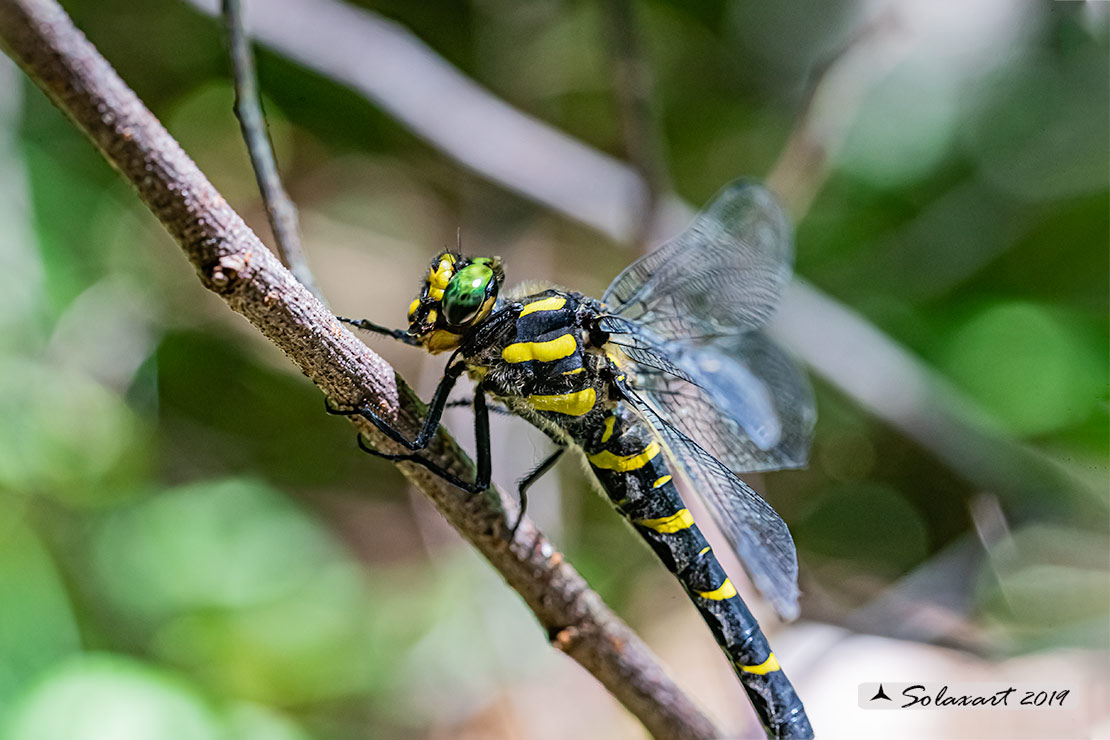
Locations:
{"points": [[465, 293]]}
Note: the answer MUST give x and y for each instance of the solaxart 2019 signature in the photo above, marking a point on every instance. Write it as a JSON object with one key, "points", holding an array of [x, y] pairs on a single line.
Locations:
{"points": [[918, 695]]}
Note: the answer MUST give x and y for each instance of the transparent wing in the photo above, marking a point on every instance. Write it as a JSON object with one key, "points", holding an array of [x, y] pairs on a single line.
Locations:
{"points": [[757, 534], [685, 317], [647, 351], [740, 397], [723, 275]]}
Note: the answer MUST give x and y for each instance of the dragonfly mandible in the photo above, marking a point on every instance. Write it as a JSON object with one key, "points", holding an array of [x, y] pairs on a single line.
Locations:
{"points": [[667, 377]]}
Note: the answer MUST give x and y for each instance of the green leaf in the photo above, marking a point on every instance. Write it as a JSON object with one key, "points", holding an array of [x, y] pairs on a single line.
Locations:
{"points": [[110, 697], [36, 625], [1032, 368]]}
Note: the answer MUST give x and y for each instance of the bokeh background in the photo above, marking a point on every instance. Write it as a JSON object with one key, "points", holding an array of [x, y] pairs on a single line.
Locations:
{"points": [[190, 548]]}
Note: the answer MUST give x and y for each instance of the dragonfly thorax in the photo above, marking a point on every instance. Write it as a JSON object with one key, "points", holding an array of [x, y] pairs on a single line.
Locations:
{"points": [[542, 357]]}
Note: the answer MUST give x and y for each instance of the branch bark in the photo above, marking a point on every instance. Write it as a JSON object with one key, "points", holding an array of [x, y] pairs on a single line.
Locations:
{"points": [[232, 263]]}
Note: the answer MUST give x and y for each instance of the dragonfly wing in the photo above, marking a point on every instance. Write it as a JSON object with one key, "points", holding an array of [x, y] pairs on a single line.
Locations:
{"points": [[758, 535], [741, 397], [724, 274], [649, 353], [717, 282]]}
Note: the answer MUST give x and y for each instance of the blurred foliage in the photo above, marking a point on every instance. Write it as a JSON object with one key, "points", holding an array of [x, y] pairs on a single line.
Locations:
{"points": [[190, 548]]}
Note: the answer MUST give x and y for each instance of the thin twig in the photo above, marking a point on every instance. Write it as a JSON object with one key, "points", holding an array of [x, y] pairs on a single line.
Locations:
{"points": [[248, 109], [632, 85], [232, 262]]}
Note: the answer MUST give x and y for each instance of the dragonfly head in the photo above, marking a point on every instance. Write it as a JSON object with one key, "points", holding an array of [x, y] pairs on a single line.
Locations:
{"points": [[457, 294]]}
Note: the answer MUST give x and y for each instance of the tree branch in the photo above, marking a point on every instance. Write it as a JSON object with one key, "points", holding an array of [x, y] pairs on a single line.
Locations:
{"points": [[248, 109], [232, 262]]}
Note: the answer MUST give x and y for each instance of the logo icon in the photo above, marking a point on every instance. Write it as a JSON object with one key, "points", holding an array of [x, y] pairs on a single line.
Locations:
{"points": [[880, 694]]}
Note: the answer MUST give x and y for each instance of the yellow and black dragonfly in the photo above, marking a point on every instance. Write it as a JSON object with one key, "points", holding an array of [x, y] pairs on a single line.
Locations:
{"points": [[667, 377]]}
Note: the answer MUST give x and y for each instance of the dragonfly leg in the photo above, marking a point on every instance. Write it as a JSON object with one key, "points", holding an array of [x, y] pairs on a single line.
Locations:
{"points": [[481, 433], [431, 421], [477, 486], [399, 334], [460, 402], [527, 481]]}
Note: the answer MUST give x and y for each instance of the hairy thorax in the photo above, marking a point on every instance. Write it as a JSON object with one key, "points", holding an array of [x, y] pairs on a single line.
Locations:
{"points": [[547, 368]]}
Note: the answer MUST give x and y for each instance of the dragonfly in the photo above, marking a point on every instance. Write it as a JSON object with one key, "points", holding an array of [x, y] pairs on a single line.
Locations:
{"points": [[668, 377]]}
